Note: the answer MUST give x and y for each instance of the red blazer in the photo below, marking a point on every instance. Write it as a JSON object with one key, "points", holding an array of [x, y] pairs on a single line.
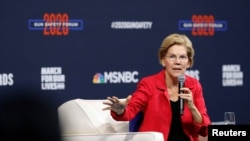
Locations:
{"points": [[151, 97]]}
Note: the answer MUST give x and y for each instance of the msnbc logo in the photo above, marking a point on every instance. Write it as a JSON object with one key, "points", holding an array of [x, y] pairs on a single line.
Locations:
{"points": [[116, 77], [98, 78]]}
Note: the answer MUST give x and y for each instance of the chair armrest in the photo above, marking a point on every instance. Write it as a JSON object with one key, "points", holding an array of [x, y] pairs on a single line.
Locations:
{"points": [[124, 136]]}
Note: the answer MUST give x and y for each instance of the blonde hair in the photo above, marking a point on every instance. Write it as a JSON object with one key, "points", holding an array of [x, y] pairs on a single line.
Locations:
{"points": [[176, 39]]}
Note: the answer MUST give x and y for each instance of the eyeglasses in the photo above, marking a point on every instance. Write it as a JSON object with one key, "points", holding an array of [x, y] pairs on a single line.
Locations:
{"points": [[182, 58]]}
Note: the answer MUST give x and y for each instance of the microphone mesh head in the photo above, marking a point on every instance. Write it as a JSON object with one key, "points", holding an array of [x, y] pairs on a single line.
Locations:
{"points": [[181, 78]]}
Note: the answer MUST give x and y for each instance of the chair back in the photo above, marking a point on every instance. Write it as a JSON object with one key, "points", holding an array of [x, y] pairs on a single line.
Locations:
{"points": [[85, 116]]}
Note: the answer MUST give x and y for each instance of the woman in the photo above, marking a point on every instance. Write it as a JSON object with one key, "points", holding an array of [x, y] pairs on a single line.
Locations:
{"points": [[158, 98]]}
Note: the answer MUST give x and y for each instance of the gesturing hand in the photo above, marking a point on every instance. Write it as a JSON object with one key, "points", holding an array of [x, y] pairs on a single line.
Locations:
{"points": [[115, 104]]}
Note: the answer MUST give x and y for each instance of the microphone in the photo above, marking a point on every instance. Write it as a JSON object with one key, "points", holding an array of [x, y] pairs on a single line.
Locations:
{"points": [[181, 80]]}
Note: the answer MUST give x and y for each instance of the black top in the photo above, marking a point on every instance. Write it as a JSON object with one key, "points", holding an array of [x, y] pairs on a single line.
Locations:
{"points": [[176, 131]]}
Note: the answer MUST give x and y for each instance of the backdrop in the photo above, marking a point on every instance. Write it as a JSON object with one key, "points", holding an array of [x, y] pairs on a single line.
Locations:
{"points": [[93, 49]]}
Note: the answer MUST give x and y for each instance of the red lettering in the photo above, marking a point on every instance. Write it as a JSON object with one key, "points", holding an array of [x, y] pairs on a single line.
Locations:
{"points": [[46, 19], [56, 24], [65, 19], [203, 25]]}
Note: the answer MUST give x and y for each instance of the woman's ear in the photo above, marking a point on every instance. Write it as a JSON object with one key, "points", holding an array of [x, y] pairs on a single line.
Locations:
{"points": [[188, 65], [163, 63]]}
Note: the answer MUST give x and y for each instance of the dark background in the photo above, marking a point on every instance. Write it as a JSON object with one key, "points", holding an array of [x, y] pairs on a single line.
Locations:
{"points": [[98, 48]]}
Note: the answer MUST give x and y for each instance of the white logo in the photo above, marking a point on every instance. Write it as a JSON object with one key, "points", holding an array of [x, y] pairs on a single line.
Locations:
{"points": [[116, 77], [52, 78], [131, 25], [193, 73], [232, 75], [6, 79]]}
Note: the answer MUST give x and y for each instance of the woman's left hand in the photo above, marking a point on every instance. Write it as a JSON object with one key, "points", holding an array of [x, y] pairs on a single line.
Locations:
{"points": [[188, 96]]}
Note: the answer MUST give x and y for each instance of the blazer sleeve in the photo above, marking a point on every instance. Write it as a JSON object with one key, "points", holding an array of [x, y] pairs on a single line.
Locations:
{"points": [[136, 104], [199, 102]]}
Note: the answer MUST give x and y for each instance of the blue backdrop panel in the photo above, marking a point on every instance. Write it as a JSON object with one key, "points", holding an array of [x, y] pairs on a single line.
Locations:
{"points": [[94, 49]]}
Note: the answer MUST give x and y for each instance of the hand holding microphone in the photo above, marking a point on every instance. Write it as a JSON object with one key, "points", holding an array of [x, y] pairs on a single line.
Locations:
{"points": [[184, 94]]}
